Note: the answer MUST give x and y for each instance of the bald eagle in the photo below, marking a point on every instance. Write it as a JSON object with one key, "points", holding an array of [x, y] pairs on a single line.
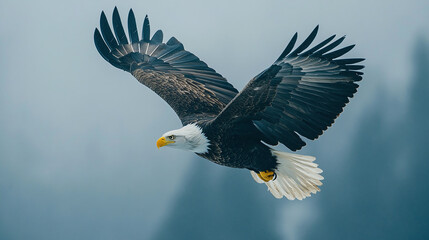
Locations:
{"points": [[299, 95]]}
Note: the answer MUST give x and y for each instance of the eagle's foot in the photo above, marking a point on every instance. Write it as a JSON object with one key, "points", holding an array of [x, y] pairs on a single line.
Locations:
{"points": [[266, 175]]}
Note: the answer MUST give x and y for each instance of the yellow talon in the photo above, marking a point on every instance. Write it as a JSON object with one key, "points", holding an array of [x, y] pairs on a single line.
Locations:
{"points": [[266, 175]]}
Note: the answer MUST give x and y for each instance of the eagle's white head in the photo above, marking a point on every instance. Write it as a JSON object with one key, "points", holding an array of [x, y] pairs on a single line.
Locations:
{"points": [[189, 137]]}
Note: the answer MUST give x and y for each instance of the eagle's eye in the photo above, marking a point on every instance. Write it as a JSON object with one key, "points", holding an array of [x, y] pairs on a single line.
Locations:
{"points": [[172, 137]]}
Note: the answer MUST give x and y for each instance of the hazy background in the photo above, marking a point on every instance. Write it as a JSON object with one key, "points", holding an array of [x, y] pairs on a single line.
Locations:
{"points": [[77, 137]]}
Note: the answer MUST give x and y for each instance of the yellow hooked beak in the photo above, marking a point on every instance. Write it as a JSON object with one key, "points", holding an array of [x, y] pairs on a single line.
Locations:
{"points": [[163, 142]]}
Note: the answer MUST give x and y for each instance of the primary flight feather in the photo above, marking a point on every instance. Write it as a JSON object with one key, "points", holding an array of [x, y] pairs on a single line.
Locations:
{"points": [[299, 95]]}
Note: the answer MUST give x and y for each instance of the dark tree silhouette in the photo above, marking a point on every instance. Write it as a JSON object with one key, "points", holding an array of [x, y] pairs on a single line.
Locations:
{"points": [[412, 209], [382, 193], [220, 203]]}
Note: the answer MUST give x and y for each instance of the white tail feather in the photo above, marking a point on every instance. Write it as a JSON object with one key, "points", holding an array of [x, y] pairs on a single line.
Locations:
{"points": [[297, 176]]}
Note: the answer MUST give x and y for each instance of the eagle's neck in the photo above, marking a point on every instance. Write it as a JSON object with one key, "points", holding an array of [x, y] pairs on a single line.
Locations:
{"points": [[196, 140]]}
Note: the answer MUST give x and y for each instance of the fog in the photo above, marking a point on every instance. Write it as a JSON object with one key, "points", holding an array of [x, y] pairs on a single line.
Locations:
{"points": [[77, 136]]}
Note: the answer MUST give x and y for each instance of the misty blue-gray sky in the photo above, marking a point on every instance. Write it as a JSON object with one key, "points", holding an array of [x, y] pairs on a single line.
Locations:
{"points": [[77, 136]]}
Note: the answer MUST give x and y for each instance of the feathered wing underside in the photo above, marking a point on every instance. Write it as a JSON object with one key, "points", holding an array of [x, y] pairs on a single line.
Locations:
{"points": [[185, 82], [300, 95]]}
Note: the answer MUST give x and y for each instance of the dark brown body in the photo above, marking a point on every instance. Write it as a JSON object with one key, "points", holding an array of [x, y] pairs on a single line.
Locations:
{"points": [[238, 148]]}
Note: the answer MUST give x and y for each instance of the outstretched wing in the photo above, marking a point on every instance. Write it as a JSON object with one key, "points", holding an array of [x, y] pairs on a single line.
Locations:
{"points": [[301, 94], [185, 82]]}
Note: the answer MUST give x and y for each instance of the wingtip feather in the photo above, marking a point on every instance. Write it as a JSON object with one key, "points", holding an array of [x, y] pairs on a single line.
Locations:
{"points": [[306, 42], [132, 27], [146, 29], [288, 48]]}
